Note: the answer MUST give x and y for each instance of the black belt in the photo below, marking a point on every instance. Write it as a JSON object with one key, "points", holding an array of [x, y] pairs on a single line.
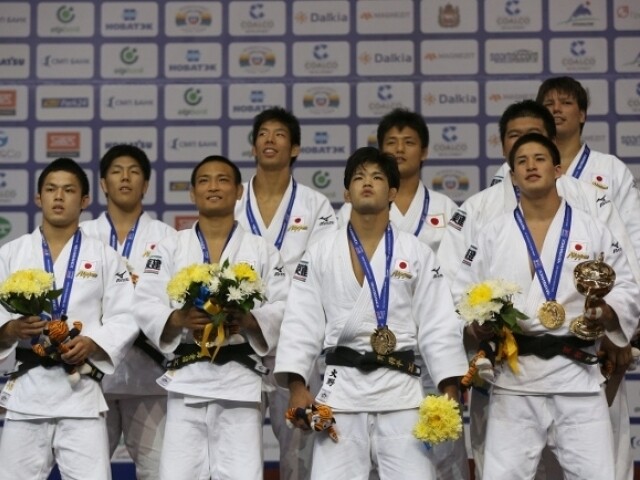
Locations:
{"points": [[548, 346], [369, 361], [29, 359], [188, 353], [143, 344]]}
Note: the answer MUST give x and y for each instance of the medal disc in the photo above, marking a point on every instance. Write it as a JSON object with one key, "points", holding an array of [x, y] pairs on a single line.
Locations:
{"points": [[383, 341], [551, 315]]}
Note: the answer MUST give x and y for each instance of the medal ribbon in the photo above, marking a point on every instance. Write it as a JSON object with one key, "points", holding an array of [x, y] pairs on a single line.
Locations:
{"points": [[425, 209], [255, 229], [582, 162], [208, 306], [58, 309], [549, 288], [381, 300], [128, 242], [206, 257]]}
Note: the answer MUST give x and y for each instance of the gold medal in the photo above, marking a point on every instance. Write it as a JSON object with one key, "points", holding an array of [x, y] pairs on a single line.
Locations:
{"points": [[383, 341], [551, 315]]}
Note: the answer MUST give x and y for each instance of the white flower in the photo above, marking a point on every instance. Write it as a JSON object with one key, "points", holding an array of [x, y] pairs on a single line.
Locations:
{"points": [[227, 274], [235, 295], [214, 284]]}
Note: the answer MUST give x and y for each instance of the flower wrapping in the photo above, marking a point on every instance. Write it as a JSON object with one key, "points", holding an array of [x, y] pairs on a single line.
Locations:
{"points": [[491, 302], [29, 292], [216, 289], [439, 420]]}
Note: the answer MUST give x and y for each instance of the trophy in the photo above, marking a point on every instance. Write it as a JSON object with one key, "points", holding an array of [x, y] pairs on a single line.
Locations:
{"points": [[594, 279]]}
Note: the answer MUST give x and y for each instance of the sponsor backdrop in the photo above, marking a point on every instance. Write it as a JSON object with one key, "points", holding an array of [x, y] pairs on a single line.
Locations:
{"points": [[183, 80]]}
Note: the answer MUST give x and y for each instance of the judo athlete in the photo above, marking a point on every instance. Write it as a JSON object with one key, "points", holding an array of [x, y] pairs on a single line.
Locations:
{"points": [[53, 416], [137, 404], [370, 296], [214, 408], [555, 395], [289, 216], [568, 101], [424, 213]]}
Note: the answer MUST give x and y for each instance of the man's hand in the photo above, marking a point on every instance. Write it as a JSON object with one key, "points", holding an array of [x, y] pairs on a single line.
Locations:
{"points": [[192, 319], [78, 349], [598, 312], [299, 397], [619, 357], [21, 329]]}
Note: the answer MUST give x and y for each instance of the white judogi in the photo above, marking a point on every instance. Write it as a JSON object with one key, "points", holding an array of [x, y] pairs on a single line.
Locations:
{"points": [[488, 204], [37, 401], [559, 386], [197, 390], [611, 176], [328, 307], [137, 404], [311, 217], [450, 458], [441, 209]]}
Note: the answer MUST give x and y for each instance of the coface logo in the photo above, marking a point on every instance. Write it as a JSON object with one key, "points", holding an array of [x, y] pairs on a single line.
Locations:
{"points": [[63, 144], [449, 134]]}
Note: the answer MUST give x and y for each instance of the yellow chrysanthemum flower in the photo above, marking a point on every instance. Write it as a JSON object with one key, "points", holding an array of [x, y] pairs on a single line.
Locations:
{"points": [[178, 286], [28, 283], [480, 294], [439, 420], [244, 271]]}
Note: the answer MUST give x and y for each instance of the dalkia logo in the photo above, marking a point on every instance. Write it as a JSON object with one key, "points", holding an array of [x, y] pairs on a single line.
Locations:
{"points": [[5, 227]]}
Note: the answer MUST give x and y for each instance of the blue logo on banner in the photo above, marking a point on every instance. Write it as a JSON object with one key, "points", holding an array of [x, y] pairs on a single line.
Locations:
{"points": [[320, 51], [577, 48], [384, 92], [449, 134], [255, 11]]}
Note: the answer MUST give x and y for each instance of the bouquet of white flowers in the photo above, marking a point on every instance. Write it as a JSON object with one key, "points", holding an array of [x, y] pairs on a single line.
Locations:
{"points": [[216, 288]]}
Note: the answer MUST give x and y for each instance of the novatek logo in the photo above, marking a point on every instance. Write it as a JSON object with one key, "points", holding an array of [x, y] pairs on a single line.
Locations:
{"points": [[129, 23], [194, 18], [8, 102], [63, 144]]}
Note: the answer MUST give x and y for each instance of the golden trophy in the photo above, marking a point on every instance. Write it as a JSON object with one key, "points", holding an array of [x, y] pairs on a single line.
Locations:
{"points": [[594, 279]]}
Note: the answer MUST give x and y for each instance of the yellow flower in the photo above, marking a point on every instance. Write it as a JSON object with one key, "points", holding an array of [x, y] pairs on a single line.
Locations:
{"points": [[439, 420], [178, 286], [480, 294], [28, 283], [244, 271]]}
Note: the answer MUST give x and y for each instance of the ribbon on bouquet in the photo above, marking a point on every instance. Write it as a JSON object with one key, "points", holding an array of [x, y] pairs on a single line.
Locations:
{"points": [[508, 349]]}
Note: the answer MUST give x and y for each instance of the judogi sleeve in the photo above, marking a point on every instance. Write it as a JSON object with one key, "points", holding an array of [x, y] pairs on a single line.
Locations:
{"points": [[151, 305], [5, 317], [118, 330], [456, 239], [439, 334], [270, 313], [303, 327], [627, 200]]}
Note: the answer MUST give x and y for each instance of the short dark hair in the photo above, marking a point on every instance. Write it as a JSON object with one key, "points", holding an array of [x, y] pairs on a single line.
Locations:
{"points": [[535, 138], [237, 176], [527, 109], [401, 118], [124, 150], [365, 155], [568, 86], [277, 114], [64, 164]]}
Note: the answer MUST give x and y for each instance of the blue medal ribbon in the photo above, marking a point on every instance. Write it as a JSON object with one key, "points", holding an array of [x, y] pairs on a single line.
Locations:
{"points": [[203, 243], [58, 309], [549, 288], [128, 242], [425, 210], [582, 162], [255, 229], [380, 300]]}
